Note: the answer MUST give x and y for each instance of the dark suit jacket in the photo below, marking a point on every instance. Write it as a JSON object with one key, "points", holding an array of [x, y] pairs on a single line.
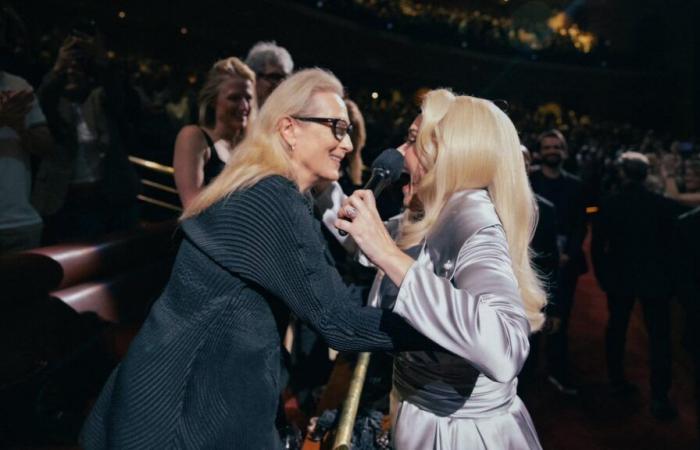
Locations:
{"points": [[566, 193], [544, 242], [631, 244], [110, 113]]}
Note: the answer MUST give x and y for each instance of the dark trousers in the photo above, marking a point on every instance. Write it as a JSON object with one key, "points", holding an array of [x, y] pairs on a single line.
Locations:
{"points": [[558, 343], [657, 321]]}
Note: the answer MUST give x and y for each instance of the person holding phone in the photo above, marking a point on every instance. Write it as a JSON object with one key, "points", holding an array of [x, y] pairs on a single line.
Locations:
{"points": [[88, 187], [23, 132]]}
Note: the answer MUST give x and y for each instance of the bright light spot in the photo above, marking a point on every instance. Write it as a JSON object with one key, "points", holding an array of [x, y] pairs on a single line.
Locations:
{"points": [[558, 21], [375, 95], [121, 14], [183, 30], [111, 54]]}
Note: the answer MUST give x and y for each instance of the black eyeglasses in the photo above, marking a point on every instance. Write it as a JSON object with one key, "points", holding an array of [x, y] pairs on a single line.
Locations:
{"points": [[272, 77], [340, 127]]}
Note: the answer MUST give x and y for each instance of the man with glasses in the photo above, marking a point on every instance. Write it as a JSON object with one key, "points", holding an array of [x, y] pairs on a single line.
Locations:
{"points": [[271, 64], [565, 191]]}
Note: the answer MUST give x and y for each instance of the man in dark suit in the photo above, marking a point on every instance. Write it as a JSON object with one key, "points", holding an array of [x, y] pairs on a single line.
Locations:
{"points": [[631, 259], [565, 191], [687, 237], [546, 260]]}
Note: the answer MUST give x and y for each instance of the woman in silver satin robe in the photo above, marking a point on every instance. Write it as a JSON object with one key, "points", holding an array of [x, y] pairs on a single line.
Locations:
{"points": [[461, 275]]}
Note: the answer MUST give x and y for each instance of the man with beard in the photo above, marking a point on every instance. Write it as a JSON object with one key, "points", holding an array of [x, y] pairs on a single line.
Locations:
{"points": [[565, 191], [88, 187], [546, 259]]}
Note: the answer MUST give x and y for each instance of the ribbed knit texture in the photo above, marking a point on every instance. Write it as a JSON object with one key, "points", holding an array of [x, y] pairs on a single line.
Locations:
{"points": [[205, 370]]}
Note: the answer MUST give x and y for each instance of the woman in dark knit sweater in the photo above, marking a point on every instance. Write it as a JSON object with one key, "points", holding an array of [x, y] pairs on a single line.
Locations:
{"points": [[204, 371]]}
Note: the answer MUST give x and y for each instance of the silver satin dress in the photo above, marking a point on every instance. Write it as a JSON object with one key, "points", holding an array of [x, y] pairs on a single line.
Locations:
{"points": [[462, 294]]}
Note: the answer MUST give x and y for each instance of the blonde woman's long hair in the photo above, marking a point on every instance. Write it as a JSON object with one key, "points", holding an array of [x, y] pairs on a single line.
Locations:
{"points": [[469, 143], [221, 71], [263, 152], [358, 137]]}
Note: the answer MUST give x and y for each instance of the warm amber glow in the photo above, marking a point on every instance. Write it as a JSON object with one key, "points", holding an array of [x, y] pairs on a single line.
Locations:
{"points": [[586, 40], [558, 21]]}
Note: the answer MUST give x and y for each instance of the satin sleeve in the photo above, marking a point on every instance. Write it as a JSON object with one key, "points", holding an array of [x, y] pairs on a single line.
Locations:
{"points": [[478, 315]]}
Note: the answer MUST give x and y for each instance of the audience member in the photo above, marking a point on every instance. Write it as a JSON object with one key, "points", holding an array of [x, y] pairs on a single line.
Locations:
{"points": [[271, 64], [23, 132], [87, 187], [226, 107], [565, 191], [631, 261], [691, 180], [687, 268], [546, 261], [353, 171]]}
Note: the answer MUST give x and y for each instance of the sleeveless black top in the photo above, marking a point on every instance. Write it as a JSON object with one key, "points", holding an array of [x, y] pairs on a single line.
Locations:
{"points": [[215, 165]]}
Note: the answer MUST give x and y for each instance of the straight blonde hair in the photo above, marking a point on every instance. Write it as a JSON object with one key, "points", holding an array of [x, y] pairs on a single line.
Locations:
{"points": [[263, 152], [469, 143], [358, 137], [221, 71]]}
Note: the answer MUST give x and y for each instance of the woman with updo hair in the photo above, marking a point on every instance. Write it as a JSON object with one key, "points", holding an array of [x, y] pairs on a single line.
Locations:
{"points": [[226, 106]]}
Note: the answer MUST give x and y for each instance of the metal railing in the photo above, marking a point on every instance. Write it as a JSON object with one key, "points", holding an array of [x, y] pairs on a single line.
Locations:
{"points": [[157, 168]]}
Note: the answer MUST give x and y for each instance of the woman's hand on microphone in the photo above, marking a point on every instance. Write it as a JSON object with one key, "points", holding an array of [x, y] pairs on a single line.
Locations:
{"points": [[359, 217]]}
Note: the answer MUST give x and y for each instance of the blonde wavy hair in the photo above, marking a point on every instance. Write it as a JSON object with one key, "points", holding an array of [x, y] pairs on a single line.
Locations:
{"points": [[469, 143], [263, 151], [219, 73]]}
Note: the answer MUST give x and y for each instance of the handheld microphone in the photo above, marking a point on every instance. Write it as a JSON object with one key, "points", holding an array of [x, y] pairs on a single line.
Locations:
{"points": [[386, 169]]}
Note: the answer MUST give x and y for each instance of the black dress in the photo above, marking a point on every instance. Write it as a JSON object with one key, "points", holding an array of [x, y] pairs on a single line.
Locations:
{"points": [[204, 371], [214, 165]]}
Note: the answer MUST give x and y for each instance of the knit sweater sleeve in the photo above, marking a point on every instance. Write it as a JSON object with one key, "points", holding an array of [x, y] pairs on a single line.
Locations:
{"points": [[266, 235]]}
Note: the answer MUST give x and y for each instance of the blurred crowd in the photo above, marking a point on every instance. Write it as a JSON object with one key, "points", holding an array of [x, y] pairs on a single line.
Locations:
{"points": [[536, 32], [135, 105]]}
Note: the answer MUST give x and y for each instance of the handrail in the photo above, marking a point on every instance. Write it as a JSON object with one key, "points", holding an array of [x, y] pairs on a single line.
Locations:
{"points": [[160, 203], [159, 186], [343, 437], [160, 168], [151, 165]]}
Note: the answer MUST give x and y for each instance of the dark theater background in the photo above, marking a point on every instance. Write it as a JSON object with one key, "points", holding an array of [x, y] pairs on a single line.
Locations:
{"points": [[612, 76]]}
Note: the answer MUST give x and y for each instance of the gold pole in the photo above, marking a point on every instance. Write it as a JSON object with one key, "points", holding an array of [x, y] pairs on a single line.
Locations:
{"points": [[343, 437], [159, 186], [160, 203], [162, 168]]}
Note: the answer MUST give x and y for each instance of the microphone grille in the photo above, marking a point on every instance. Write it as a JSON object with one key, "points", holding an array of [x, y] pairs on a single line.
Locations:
{"points": [[390, 160]]}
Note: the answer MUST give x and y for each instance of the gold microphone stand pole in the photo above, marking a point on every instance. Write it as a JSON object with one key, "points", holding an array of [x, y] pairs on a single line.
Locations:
{"points": [[343, 437]]}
